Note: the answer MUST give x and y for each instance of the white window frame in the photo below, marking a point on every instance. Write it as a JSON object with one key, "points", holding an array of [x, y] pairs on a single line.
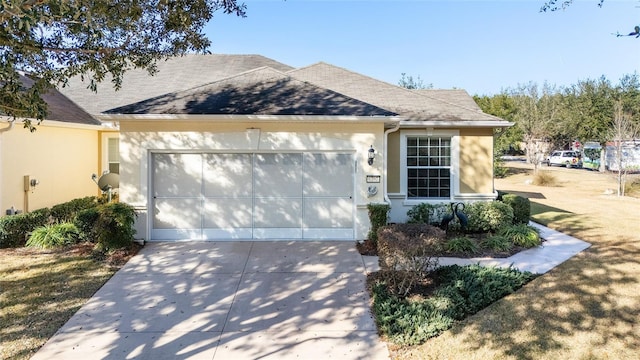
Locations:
{"points": [[105, 149], [454, 135]]}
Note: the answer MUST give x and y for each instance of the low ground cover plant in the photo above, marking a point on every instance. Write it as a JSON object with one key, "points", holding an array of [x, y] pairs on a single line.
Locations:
{"points": [[448, 294]]}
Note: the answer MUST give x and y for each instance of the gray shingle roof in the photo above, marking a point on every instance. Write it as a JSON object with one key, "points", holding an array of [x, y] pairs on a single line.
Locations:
{"points": [[174, 75], [263, 91], [60, 108], [454, 96], [230, 84], [414, 105]]}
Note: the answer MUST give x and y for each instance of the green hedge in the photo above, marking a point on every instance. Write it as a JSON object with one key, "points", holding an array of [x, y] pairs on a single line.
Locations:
{"points": [[109, 225], [114, 226], [521, 207], [67, 211], [488, 216], [14, 229]]}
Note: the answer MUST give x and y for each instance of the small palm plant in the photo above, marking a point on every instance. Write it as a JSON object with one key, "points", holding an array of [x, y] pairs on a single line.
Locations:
{"points": [[54, 235]]}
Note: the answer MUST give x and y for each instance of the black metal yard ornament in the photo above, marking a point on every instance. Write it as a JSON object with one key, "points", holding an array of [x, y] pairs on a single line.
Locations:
{"points": [[455, 213]]}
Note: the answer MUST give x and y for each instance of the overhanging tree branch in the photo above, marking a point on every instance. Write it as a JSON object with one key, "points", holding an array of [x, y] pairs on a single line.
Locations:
{"points": [[555, 5], [53, 40]]}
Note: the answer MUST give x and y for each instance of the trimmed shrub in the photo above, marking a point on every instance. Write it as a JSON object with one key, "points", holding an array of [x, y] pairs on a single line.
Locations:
{"points": [[378, 217], [12, 233], [54, 235], [421, 213], [461, 244], [521, 207], [67, 211], [406, 253], [501, 194], [488, 216], [85, 221], [522, 235], [14, 229], [114, 226]]}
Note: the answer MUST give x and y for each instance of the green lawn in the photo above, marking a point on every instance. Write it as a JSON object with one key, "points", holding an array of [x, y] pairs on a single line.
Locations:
{"points": [[586, 308]]}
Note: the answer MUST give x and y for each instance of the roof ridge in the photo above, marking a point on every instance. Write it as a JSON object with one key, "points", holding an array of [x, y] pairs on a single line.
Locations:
{"points": [[457, 105], [244, 73], [411, 91], [344, 69]]}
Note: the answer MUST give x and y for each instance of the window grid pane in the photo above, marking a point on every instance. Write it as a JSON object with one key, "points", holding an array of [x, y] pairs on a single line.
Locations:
{"points": [[113, 155], [428, 167]]}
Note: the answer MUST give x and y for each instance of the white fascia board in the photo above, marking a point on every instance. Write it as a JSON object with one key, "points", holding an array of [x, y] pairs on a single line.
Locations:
{"points": [[59, 124], [252, 118], [456, 124]]}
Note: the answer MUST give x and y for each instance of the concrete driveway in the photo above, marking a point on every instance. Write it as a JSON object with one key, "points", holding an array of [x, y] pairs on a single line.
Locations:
{"points": [[228, 300]]}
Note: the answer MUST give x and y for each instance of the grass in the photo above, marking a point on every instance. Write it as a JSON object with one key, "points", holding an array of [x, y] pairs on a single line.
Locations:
{"points": [[586, 308], [41, 289]]}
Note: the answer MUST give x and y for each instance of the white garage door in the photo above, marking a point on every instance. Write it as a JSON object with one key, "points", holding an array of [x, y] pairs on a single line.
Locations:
{"points": [[253, 196]]}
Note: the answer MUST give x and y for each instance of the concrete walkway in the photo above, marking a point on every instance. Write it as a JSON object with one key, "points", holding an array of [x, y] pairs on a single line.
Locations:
{"points": [[228, 300], [556, 249], [248, 300]]}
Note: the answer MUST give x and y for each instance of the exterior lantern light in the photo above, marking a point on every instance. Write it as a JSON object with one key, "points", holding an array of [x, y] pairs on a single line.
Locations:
{"points": [[371, 155]]}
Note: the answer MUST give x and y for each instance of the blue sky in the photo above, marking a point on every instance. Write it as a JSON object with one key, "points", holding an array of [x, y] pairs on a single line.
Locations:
{"points": [[481, 46]]}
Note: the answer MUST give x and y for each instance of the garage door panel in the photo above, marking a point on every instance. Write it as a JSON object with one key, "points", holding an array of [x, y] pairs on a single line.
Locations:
{"points": [[328, 174], [177, 213], [278, 213], [259, 196], [328, 213], [227, 175], [177, 175], [277, 175], [228, 213], [177, 234]]}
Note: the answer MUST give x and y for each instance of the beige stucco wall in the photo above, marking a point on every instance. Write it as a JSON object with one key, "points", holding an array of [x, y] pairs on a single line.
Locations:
{"points": [[474, 175], [393, 163], [61, 158], [139, 138], [476, 161]]}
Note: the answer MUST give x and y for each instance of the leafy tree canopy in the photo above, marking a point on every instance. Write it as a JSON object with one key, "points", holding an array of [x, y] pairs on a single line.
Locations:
{"points": [[53, 40]]}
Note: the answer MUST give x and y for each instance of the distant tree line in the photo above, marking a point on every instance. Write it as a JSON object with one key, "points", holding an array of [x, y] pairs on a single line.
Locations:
{"points": [[585, 111]]}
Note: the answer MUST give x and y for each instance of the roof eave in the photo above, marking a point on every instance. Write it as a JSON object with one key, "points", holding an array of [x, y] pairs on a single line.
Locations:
{"points": [[457, 124], [252, 118], [59, 124]]}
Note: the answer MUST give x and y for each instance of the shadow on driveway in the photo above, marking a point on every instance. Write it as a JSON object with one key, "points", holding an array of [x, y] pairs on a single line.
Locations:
{"points": [[228, 300]]}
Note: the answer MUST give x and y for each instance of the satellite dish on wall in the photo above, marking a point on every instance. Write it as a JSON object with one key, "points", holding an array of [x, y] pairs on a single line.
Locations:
{"points": [[109, 181]]}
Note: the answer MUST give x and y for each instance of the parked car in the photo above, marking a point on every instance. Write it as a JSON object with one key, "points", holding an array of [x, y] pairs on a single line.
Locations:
{"points": [[566, 158]]}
